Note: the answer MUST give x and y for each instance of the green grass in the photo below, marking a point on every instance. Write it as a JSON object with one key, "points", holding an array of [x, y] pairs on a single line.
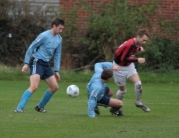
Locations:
{"points": [[67, 117], [14, 73]]}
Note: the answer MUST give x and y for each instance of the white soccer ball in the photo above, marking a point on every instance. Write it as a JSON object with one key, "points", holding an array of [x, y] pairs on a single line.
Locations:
{"points": [[72, 91]]}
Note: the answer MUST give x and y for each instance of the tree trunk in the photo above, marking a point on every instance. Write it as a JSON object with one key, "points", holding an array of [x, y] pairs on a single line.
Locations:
{"points": [[108, 52]]}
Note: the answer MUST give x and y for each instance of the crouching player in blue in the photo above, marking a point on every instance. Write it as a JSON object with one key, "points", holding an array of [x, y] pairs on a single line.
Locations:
{"points": [[99, 93]]}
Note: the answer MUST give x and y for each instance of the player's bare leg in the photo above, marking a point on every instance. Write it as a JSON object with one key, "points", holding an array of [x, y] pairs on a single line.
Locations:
{"points": [[34, 82], [116, 105], [53, 87], [138, 90], [52, 83]]}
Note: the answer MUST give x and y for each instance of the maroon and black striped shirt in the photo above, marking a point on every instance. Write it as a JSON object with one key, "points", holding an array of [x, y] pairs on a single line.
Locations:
{"points": [[124, 54]]}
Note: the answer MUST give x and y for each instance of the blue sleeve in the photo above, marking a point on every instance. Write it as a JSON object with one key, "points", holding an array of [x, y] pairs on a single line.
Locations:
{"points": [[102, 65], [57, 57], [92, 102], [36, 43]]}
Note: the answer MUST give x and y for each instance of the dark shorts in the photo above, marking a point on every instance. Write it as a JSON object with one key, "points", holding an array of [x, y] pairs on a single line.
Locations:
{"points": [[38, 66], [105, 99]]}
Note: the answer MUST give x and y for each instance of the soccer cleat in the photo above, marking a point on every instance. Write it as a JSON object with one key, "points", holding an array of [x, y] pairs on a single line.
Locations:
{"points": [[142, 106], [18, 111], [99, 104], [116, 111], [96, 110], [42, 110]]}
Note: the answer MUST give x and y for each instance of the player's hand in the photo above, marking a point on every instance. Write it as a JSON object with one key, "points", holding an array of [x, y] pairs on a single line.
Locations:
{"points": [[57, 76], [116, 68], [141, 60], [24, 68], [142, 49]]}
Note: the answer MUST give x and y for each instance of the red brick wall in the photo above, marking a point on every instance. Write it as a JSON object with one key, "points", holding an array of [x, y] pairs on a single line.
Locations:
{"points": [[69, 4], [167, 8]]}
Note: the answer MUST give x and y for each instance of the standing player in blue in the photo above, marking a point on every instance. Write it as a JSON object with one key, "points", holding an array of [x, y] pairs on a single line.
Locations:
{"points": [[37, 57], [99, 93]]}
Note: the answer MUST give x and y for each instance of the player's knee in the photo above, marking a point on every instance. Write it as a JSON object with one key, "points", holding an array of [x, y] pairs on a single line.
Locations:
{"points": [[115, 103], [54, 88], [119, 103], [33, 88], [138, 85]]}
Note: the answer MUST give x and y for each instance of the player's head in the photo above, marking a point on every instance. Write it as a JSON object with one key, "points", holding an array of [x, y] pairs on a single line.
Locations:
{"points": [[142, 37], [106, 74], [57, 25]]}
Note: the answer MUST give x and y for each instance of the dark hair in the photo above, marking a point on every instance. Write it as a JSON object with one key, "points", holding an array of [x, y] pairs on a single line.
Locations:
{"points": [[106, 74], [57, 22], [143, 32]]}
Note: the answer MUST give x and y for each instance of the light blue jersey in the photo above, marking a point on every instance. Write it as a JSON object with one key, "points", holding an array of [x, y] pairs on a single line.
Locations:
{"points": [[44, 47], [96, 87]]}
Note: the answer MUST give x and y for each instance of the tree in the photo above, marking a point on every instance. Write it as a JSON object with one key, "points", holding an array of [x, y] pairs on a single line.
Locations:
{"points": [[113, 23]]}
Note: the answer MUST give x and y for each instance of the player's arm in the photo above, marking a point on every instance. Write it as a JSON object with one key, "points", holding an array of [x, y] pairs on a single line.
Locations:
{"points": [[125, 54], [141, 49], [36, 43], [92, 102], [57, 61], [141, 60], [100, 66], [57, 58]]}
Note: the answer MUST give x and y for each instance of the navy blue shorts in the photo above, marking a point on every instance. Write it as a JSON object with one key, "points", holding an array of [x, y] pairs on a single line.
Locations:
{"points": [[38, 66], [105, 99]]}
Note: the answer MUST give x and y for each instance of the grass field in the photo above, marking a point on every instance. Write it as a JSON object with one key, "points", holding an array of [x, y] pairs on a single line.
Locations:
{"points": [[67, 117]]}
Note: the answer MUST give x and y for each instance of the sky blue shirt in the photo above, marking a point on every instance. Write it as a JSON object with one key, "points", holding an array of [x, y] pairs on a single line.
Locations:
{"points": [[96, 87], [44, 47]]}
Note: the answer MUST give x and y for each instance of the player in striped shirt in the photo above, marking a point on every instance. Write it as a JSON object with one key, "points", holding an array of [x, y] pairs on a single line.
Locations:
{"points": [[48, 44], [125, 59]]}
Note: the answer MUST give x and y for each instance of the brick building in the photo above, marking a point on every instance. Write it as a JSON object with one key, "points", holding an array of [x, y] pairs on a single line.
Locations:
{"points": [[168, 9]]}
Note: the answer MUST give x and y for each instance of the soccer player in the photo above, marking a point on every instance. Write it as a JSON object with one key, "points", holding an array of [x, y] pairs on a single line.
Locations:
{"points": [[125, 58], [99, 93], [37, 57]]}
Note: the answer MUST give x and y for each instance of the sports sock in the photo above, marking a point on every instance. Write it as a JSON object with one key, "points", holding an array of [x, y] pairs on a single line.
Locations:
{"points": [[138, 89], [120, 94], [45, 99], [115, 108], [138, 103], [24, 99]]}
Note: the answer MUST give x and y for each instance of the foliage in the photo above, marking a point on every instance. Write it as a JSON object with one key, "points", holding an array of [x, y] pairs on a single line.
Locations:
{"points": [[19, 26], [109, 25], [113, 23], [161, 56], [72, 55], [147, 76], [20, 23]]}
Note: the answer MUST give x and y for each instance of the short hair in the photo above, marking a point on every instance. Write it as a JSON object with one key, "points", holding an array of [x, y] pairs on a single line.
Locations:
{"points": [[57, 22], [143, 32], [106, 74]]}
